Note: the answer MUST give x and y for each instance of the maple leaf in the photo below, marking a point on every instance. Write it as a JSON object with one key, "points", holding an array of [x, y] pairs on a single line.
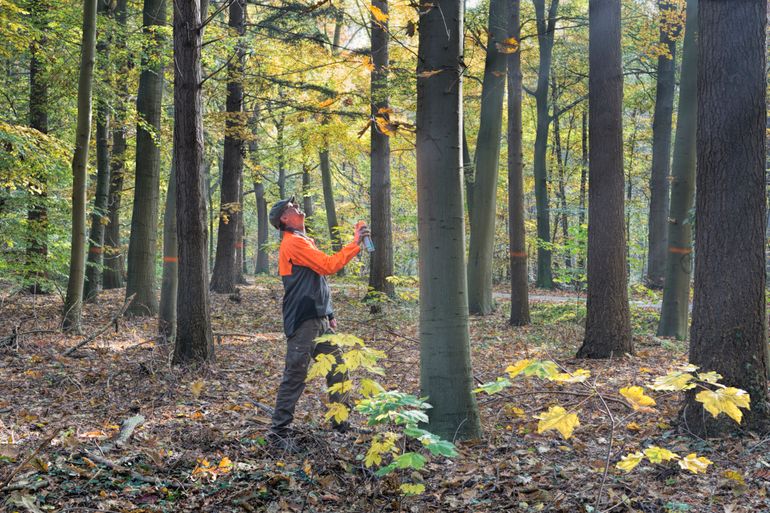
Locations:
{"points": [[516, 369], [509, 45], [637, 399], [628, 462], [557, 418], [579, 376], [341, 388], [675, 380], [412, 489], [370, 387], [377, 13], [323, 364], [727, 400], [695, 464], [337, 411], [659, 454], [544, 369], [710, 377]]}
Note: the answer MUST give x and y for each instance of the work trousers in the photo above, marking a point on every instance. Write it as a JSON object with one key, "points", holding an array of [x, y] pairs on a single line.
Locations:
{"points": [[301, 348]]}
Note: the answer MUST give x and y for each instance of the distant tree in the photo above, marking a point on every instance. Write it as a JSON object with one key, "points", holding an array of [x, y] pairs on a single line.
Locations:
{"points": [[446, 377], [194, 341], [73, 303], [142, 245], [518, 243], [729, 323], [170, 282], [482, 216], [674, 311], [608, 328]]}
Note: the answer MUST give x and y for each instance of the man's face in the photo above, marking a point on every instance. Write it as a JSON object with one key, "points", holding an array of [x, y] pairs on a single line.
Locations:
{"points": [[293, 217]]}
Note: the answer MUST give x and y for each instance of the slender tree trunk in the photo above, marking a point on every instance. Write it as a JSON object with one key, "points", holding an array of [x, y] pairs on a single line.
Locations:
{"points": [[630, 185], [519, 285], [446, 377], [224, 275], [545, 32], [263, 261], [170, 281], [608, 328], [331, 210], [279, 127], [73, 303], [240, 246], [562, 219], [482, 217], [307, 196], [676, 292], [729, 323], [194, 342], [583, 179], [142, 245], [469, 171], [661, 155], [382, 237]]}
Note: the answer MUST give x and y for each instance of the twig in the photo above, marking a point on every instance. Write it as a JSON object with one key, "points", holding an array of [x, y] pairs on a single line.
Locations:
{"points": [[32, 455], [104, 328], [123, 470], [609, 451]]}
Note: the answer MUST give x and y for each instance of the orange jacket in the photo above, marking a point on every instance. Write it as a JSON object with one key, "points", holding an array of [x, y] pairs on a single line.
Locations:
{"points": [[298, 249]]}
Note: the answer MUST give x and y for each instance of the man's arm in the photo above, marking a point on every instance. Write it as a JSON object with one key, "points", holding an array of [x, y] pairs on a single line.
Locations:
{"points": [[302, 252]]}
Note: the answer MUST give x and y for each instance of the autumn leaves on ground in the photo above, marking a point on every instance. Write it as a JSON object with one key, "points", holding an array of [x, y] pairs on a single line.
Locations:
{"points": [[201, 443]]}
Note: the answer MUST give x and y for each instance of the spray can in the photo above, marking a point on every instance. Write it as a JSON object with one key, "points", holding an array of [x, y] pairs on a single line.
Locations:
{"points": [[368, 244]]}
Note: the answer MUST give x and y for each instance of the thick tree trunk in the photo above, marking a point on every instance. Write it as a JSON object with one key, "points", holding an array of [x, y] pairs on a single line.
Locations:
{"points": [[608, 328], [545, 31], [73, 303], [519, 285], [661, 155], [170, 281], [224, 275], [446, 377], [194, 341], [482, 217], [142, 245], [382, 237], [729, 326], [676, 291]]}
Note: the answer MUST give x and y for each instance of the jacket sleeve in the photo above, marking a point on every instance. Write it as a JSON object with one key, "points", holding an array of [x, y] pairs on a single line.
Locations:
{"points": [[302, 252]]}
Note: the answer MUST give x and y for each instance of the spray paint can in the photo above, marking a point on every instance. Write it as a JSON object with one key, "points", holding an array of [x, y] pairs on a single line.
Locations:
{"points": [[368, 244]]}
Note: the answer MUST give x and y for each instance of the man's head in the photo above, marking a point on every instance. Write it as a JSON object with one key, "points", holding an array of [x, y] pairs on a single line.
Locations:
{"points": [[286, 214]]}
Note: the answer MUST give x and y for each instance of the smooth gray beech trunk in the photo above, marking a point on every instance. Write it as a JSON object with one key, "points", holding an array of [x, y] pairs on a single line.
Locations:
{"points": [[142, 245], [169, 282], [518, 243], [661, 156], [194, 342], [482, 216], [446, 377], [608, 327], [73, 303], [307, 195], [331, 209], [729, 323], [674, 312], [263, 261], [545, 37]]}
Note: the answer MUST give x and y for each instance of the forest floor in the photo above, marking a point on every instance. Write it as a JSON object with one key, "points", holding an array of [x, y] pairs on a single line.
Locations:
{"points": [[201, 446]]}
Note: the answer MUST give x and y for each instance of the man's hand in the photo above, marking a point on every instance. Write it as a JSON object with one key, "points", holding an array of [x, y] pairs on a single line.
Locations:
{"points": [[361, 231], [333, 323]]}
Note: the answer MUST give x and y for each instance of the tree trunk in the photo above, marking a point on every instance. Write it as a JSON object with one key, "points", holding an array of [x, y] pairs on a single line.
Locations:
{"points": [[194, 342], [37, 216], [608, 328], [545, 31], [381, 225], [331, 210], [676, 292], [446, 377], [225, 267], [170, 281], [661, 155], [263, 260], [279, 127], [562, 218], [142, 245], [729, 326], [517, 234], [307, 196], [482, 217], [240, 245], [73, 304]]}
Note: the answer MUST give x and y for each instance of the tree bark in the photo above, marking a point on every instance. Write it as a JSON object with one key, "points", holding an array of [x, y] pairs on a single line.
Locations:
{"points": [[73, 303], [142, 245], [608, 328], [307, 196], [446, 377], [676, 292], [661, 155], [170, 281], [518, 253], [224, 275], [729, 326], [263, 261], [194, 341], [331, 209], [562, 218], [482, 216], [381, 263]]}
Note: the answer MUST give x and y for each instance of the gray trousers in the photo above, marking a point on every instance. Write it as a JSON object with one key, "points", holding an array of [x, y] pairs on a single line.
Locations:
{"points": [[299, 351]]}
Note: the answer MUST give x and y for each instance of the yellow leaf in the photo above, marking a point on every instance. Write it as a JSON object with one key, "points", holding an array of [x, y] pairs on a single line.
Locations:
{"points": [[367, 62], [727, 400], [635, 396], [628, 462], [659, 454], [578, 376], [509, 45], [225, 465], [370, 387], [323, 364], [516, 369], [325, 103], [341, 387], [412, 489], [673, 381], [633, 426], [378, 14], [429, 73], [337, 411], [196, 387], [710, 377], [384, 126], [557, 418], [695, 464], [735, 476]]}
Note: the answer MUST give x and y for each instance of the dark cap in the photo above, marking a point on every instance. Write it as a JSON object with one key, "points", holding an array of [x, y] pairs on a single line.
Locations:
{"points": [[277, 210]]}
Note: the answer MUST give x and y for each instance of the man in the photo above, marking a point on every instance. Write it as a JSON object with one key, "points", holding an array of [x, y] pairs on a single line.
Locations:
{"points": [[307, 311]]}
